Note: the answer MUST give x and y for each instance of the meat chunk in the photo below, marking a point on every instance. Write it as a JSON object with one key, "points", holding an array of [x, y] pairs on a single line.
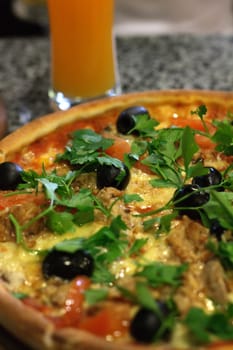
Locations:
{"points": [[215, 281], [188, 241], [23, 213]]}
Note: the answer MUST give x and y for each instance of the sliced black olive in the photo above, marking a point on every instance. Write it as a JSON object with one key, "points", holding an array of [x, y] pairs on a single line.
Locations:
{"points": [[147, 323], [216, 229], [112, 176], [126, 121], [10, 176], [190, 196], [214, 177], [67, 265]]}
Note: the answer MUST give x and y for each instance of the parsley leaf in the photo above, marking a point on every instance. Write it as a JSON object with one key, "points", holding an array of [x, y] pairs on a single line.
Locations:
{"points": [[188, 146], [202, 326], [85, 147], [224, 136], [144, 125], [128, 198], [224, 251], [158, 274], [144, 296], [220, 207], [60, 222], [93, 296], [201, 112], [108, 244]]}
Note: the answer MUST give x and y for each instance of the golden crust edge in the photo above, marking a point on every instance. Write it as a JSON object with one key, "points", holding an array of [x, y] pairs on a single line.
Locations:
{"points": [[48, 123], [33, 329]]}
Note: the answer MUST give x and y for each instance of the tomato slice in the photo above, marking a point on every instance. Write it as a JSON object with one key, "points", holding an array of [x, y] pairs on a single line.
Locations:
{"points": [[196, 124], [10, 199], [73, 303], [109, 321], [119, 148]]}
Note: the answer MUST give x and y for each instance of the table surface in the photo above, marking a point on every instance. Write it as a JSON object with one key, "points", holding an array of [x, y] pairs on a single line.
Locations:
{"points": [[161, 62]]}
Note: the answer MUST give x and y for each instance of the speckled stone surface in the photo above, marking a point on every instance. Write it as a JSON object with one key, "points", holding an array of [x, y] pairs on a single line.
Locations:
{"points": [[161, 62]]}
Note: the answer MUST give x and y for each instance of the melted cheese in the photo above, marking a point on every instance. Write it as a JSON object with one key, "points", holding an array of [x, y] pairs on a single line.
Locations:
{"points": [[22, 269]]}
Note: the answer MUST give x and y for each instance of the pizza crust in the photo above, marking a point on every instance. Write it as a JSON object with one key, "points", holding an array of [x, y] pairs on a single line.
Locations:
{"points": [[27, 324], [45, 124], [33, 329]]}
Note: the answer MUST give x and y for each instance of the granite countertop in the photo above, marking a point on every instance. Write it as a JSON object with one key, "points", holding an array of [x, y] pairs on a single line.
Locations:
{"points": [[159, 62]]}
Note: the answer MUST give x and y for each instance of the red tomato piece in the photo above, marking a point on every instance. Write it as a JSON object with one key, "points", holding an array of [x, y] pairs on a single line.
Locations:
{"points": [[119, 148], [196, 124], [74, 303], [15, 199], [108, 321]]}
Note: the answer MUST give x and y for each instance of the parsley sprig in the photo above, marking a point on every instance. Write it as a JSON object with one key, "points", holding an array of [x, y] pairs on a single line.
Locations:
{"points": [[206, 327], [108, 244]]}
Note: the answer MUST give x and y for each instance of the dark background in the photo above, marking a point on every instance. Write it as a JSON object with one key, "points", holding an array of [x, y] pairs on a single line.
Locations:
{"points": [[11, 25]]}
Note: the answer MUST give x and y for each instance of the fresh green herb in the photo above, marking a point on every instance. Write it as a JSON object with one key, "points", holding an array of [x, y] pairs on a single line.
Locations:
{"points": [[220, 207], [93, 296], [164, 154], [144, 125], [20, 295], [128, 198], [224, 136], [144, 296], [161, 223], [60, 222], [106, 245], [137, 246], [87, 150], [201, 112], [158, 274], [203, 327], [224, 251], [85, 147], [188, 152]]}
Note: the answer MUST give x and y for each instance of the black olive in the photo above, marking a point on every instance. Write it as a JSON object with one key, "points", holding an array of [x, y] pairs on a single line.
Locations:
{"points": [[10, 176], [111, 176], [216, 229], [190, 196], [147, 323], [67, 265], [213, 178], [126, 119]]}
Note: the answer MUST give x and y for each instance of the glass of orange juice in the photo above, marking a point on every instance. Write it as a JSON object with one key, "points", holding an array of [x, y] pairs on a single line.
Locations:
{"points": [[83, 62]]}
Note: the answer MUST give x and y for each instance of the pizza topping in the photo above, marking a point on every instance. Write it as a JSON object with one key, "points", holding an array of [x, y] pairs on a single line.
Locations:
{"points": [[111, 176], [216, 282], [127, 121], [10, 176], [213, 178], [149, 325], [216, 229], [203, 327], [188, 198], [67, 265]]}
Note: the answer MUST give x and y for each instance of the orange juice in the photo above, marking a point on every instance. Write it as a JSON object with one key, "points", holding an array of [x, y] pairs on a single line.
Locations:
{"points": [[82, 55]]}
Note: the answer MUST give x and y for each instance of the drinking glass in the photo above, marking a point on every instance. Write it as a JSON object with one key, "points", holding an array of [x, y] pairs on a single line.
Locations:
{"points": [[83, 60]]}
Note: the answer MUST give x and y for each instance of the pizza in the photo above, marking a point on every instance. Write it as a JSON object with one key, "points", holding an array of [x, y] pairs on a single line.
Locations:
{"points": [[116, 224]]}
